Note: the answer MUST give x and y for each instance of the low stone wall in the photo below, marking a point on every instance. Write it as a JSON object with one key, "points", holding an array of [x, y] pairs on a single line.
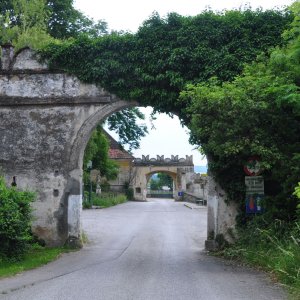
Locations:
{"points": [[188, 197]]}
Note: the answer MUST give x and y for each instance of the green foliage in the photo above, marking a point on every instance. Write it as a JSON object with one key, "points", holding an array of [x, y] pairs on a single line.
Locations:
{"points": [[15, 221], [154, 65], [255, 114], [165, 180], [128, 191], [104, 200], [125, 124], [25, 24], [65, 21], [97, 151], [35, 257], [297, 194], [58, 18], [273, 245], [154, 185], [297, 191], [162, 179]]}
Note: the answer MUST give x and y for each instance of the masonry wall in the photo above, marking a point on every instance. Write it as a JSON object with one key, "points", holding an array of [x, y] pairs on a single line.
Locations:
{"points": [[221, 214], [124, 176], [36, 146], [46, 120]]}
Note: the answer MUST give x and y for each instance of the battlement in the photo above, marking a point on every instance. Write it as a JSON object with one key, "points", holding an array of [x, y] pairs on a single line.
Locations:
{"points": [[161, 160]]}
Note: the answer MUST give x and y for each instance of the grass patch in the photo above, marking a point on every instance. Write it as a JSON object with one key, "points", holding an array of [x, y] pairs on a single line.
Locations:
{"points": [[84, 238], [274, 248], [104, 200], [35, 257]]}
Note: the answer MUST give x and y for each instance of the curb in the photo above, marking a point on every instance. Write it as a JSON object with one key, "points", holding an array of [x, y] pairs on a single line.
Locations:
{"points": [[193, 206]]}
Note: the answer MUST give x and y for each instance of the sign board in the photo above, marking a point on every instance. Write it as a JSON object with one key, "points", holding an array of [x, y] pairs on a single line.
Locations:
{"points": [[254, 184], [254, 194], [254, 203], [252, 167]]}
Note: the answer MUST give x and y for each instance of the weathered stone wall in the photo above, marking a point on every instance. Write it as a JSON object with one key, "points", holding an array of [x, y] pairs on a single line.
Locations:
{"points": [[198, 186], [46, 121], [221, 215]]}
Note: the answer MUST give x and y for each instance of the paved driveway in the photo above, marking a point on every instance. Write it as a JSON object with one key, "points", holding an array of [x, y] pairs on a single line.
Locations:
{"points": [[146, 251]]}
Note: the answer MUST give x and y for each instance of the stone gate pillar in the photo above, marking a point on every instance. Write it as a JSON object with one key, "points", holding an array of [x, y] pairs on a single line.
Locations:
{"points": [[46, 119], [221, 216]]}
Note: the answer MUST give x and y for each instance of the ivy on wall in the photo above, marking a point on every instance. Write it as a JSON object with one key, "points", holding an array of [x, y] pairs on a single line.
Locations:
{"points": [[154, 65]]}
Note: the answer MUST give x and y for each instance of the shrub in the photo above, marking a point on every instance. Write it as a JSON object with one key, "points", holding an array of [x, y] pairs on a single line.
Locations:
{"points": [[273, 245], [103, 200], [15, 221], [297, 194], [128, 191]]}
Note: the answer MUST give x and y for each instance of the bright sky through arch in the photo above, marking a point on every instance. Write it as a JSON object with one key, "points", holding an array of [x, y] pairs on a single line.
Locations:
{"points": [[169, 137]]}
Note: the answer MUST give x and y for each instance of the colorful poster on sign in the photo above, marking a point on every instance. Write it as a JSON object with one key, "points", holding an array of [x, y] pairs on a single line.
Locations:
{"points": [[254, 194], [254, 203]]}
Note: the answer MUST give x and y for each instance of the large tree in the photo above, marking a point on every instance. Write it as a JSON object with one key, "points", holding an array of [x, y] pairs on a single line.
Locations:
{"points": [[165, 180], [125, 123], [160, 180], [97, 152], [63, 21], [24, 23], [258, 113]]}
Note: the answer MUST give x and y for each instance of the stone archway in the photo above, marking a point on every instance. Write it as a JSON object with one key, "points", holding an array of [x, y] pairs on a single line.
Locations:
{"points": [[159, 194], [46, 118], [180, 169]]}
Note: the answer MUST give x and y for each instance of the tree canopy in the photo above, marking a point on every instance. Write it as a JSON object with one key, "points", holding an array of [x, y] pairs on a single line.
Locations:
{"points": [[161, 180], [62, 19], [258, 113], [125, 124], [97, 152]]}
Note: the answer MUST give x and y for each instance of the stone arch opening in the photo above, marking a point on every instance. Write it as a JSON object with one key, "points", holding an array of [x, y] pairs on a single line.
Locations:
{"points": [[92, 118], [165, 189], [46, 120], [85, 131]]}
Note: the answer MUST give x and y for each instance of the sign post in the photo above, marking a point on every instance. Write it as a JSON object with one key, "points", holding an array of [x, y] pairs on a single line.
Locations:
{"points": [[254, 186], [254, 194]]}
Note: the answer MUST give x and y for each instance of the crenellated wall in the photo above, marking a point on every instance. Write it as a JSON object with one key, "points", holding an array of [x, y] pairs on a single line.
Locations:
{"points": [[180, 169]]}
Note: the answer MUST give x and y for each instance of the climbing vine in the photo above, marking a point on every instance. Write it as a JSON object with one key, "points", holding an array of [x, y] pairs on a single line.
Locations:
{"points": [[153, 65]]}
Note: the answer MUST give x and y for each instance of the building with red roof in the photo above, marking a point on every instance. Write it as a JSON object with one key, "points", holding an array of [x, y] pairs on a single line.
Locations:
{"points": [[125, 161]]}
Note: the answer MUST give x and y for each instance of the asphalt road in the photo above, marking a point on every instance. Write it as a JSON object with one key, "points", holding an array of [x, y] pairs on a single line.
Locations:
{"points": [[145, 251]]}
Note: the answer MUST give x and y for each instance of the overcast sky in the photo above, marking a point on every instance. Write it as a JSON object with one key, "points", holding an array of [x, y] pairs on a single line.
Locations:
{"points": [[169, 137]]}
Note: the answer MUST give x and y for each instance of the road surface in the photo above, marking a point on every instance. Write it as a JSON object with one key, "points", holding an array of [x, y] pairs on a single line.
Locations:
{"points": [[142, 251]]}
